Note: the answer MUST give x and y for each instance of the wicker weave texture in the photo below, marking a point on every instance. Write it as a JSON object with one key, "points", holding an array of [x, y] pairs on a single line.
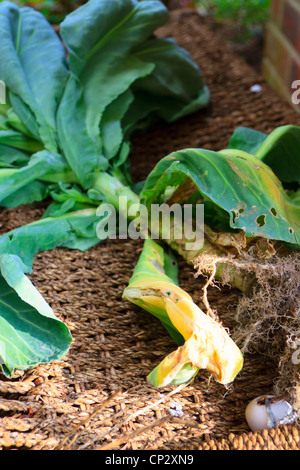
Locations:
{"points": [[97, 397]]}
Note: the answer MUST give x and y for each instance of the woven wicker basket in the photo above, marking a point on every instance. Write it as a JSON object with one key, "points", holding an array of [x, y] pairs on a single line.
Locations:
{"points": [[97, 397]]}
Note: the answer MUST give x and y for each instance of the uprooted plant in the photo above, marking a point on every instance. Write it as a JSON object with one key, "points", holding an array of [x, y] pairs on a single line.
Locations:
{"points": [[250, 194], [68, 138]]}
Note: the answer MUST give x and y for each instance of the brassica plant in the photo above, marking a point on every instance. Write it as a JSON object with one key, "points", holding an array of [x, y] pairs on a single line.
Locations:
{"points": [[65, 131]]}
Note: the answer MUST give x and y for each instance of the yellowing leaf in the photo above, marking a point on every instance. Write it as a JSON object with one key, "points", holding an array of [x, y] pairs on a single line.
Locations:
{"points": [[205, 343], [207, 346]]}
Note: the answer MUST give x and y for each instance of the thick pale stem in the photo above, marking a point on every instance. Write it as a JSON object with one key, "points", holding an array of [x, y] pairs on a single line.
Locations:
{"points": [[210, 252], [113, 189]]}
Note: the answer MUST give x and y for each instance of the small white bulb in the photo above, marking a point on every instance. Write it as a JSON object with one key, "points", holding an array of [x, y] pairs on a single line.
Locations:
{"points": [[268, 411]]}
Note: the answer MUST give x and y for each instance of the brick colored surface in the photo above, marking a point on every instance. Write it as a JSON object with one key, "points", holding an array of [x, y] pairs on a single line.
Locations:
{"points": [[275, 11], [277, 52], [281, 64], [294, 71], [291, 23]]}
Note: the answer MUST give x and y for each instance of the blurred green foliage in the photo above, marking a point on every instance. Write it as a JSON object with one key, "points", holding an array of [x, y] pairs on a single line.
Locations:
{"points": [[54, 11], [243, 12], [246, 18]]}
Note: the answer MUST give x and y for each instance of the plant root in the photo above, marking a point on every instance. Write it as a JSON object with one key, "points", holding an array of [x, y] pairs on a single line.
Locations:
{"points": [[267, 317]]}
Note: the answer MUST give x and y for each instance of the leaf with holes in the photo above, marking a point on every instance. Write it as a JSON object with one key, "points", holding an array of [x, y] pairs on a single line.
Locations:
{"points": [[235, 182]]}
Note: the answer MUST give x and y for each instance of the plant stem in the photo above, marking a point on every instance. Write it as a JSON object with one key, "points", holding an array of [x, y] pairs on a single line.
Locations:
{"points": [[112, 189]]}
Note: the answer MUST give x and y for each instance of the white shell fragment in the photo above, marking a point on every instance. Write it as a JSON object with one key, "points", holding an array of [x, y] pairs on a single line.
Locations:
{"points": [[268, 411], [175, 409], [256, 88]]}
